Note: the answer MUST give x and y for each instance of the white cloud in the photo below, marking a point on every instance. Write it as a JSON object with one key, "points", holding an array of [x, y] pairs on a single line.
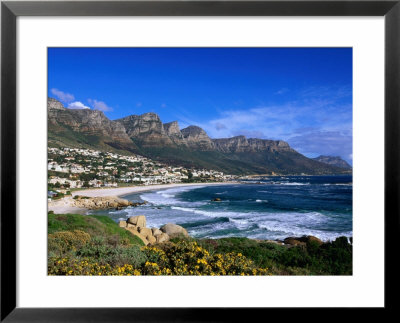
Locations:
{"points": [[62, 96], [312, 128], [77, 105], [317, 142], [99, 105]]}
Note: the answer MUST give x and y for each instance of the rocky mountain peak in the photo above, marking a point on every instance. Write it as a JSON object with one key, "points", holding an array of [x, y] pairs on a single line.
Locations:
{"points": [[54, 104], [172, 128], [86, 121], [150, 116], [193, 131], [197, 138], [147, 128], [242, 144]]}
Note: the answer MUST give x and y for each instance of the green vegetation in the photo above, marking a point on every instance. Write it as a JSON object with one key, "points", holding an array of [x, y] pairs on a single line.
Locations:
{"points": [[96, 245], [60, 136], [95, 225], [333, 258]]}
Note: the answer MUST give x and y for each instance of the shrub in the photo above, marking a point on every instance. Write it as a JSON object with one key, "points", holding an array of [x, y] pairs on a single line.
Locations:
{"points": [[188, 258], [68, 267], [101, 252], [332, 258], [63, 242]]}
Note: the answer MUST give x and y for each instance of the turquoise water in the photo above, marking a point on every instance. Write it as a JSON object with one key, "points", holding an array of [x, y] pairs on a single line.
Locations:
{"points": [[270, 208]]}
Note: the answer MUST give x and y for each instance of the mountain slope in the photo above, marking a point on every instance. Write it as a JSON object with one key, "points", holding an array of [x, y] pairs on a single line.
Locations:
{"points": [[85, 128], [191, 147], [334, 161]]}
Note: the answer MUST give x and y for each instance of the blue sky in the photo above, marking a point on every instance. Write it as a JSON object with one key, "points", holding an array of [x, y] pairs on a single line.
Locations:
{"points": [[300, 95]]}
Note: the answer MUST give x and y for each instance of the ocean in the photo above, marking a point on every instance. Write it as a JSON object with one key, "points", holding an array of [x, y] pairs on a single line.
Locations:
{"points": [[266, 208]]}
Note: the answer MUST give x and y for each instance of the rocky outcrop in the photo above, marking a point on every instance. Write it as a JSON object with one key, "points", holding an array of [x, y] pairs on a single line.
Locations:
{"points": [[53, 104], [139, 221], [334, 161], [88, 122], [174, 133], [174, 230], [147, 128], [234, 144], [137, 226], [94, 203], [293, 241], [240, 144], [156, 231], [163, 237], [197, 138], [302, 241]]}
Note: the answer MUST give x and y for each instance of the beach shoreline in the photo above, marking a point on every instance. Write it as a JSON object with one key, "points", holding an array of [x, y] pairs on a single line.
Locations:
{"points": [[124, 191], [65, 205]]}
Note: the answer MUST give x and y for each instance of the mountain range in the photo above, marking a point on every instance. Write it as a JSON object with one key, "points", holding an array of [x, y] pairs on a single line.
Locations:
{"points": [[190, 147], [334, 161]]}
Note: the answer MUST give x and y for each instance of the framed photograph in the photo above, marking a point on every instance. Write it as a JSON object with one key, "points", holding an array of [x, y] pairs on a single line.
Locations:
{"points": [[225, 155]]}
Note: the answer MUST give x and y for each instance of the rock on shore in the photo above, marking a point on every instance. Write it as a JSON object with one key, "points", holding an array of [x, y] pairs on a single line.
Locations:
{"points": [[105, 202], [302, 241], [137, 226], [174, 230]]}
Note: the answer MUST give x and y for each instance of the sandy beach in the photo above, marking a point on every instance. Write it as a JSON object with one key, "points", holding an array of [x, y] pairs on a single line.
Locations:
{"points": [[123, 191], [64, 205]]}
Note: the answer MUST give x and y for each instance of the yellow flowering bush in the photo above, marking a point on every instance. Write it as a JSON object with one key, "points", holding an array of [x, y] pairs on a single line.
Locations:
{"points": [[75, 267], [62, 242], [182, 258], [188, 258]]}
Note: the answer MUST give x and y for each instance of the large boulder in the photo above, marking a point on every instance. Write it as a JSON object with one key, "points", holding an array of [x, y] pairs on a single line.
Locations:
{"points": [[156, 231], [146, 232], [132, 229], [123, 202], [294, 241], [122, 224], [174, 230], [151, 239], [139, 220], [314, 239], [111, 204], [308, 239], [136, 233], [163, 237]]}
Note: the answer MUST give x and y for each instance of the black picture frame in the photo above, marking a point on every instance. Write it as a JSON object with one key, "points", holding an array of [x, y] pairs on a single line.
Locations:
{"points": [[10, 10]]}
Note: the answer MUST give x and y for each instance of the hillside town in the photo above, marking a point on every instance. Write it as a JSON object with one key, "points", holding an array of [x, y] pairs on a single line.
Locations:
{"points": [[70, 168]]}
